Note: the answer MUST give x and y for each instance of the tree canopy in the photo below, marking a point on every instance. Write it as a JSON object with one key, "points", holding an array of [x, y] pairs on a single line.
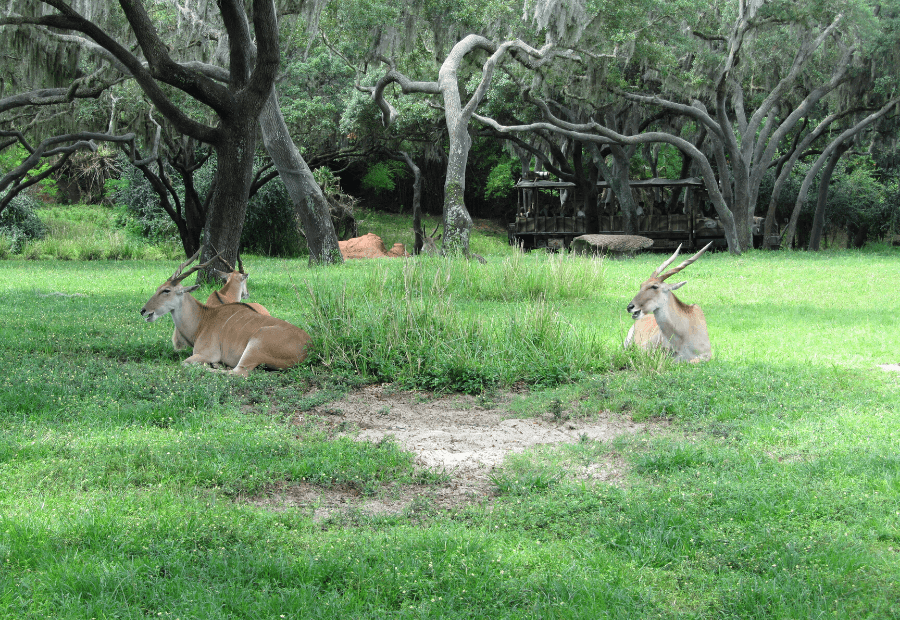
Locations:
{"points": [[745, 94]]}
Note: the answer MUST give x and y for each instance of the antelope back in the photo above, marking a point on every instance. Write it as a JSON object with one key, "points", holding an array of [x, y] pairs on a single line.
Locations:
{"points": [[233, 333]]}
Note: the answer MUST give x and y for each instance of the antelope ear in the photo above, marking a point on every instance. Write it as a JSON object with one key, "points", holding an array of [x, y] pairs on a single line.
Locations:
{"points": [[677, 286], [219, 274], [188, 289]]}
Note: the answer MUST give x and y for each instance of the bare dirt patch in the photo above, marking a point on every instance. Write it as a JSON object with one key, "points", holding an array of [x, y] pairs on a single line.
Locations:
{"points": [[461, 435]]}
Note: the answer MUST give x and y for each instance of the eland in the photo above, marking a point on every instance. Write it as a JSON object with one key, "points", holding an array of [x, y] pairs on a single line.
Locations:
{"points": [[233, 334], [664, 321]]}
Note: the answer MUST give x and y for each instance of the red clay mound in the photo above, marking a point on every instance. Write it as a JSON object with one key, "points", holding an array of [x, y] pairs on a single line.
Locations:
{"points": [[370, 246]]}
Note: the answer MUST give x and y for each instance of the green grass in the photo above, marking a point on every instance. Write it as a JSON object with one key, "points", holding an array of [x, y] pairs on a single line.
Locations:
{"points": [[89, 232], [770, 487]]}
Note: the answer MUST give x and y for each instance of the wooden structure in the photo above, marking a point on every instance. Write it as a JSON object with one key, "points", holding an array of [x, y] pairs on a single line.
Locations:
{"points": [[550, 215]]}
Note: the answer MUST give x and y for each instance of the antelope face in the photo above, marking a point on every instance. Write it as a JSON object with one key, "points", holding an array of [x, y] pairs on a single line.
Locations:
{"points": [[166, 298], [653, 295], [241, 283]]}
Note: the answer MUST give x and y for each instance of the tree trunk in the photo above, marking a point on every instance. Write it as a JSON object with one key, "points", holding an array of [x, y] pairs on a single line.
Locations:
{"points": [[815, 235], [194, 213], [620, 184], [457, 221], [859, 239], [310, 204], [418, 230], [234, 175], [834, 144]]}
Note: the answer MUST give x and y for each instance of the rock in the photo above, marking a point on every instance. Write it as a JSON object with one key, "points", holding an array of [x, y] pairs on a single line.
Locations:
{"points": [[370, 246], [618, 245]]}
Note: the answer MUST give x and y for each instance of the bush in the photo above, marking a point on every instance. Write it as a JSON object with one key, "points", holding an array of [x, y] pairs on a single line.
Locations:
{"points": [[19, 223], [139, 209], [382, 176], [270, 228]]}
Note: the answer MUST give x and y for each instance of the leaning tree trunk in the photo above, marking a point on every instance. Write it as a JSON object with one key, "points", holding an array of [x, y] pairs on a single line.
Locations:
{"points": [[815, 235], [309, 202], [846, 135], [418, 230]]}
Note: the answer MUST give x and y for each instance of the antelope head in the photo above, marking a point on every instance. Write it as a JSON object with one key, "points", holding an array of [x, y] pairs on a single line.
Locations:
{"points": [[170, 293], [429, 242], [655, 292], [235, 280]]}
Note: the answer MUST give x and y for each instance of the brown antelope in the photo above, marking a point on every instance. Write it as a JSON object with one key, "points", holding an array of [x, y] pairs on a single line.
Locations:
{"points": [[663, 320], [234, 291], [235, 288], [235, 334]]}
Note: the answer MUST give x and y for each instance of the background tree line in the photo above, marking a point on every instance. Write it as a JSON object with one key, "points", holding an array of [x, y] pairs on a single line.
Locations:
{"points": [[786, 110]]}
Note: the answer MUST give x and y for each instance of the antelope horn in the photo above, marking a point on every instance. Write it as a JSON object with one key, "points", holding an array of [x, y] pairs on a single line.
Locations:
{"points": [[672, 272], [177, 279], [222, 258], [183, 265], [433, 231], [666, 263], [225, 262], [240, 264]]}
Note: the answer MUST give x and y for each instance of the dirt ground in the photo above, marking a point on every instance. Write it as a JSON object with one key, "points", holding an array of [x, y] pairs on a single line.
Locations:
{"points": [[461, 435]]}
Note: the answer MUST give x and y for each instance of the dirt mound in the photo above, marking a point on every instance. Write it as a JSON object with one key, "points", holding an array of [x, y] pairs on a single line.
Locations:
{"points": [[370, 246], [460, 435]]}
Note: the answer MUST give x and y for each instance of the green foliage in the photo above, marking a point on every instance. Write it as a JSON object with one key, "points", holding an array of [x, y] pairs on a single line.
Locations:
{"points": [[19, 223], [500, 180], [383, 175], [139, 209], [13, 156], [90, 232], [312, 97], [270, 227], [856, 198]]}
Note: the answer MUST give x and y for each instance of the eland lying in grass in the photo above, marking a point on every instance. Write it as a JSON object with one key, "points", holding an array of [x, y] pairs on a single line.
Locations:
{"points": [[234, 291], [235, 335], [663, 320]]}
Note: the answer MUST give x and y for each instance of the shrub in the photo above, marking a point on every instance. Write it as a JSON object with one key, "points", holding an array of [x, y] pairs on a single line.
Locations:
{"points": [[382, 176], [139, 209], [270, 228], [19, 223], [83, 176]]}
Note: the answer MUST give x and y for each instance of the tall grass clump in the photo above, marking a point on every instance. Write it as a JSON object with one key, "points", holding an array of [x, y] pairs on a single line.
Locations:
{"points": [[405, 326], [515, 278]]}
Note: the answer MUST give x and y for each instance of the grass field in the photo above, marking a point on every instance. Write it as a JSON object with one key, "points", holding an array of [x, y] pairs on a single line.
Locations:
{"points": [[773, 492]]}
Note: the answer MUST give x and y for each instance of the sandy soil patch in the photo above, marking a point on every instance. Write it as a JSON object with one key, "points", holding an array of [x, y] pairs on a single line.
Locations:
{"points": [[461, 435]]}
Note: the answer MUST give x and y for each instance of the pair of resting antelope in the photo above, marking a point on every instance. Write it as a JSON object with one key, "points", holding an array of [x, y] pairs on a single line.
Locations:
{"points": [[243, 335], [224, 330]]}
